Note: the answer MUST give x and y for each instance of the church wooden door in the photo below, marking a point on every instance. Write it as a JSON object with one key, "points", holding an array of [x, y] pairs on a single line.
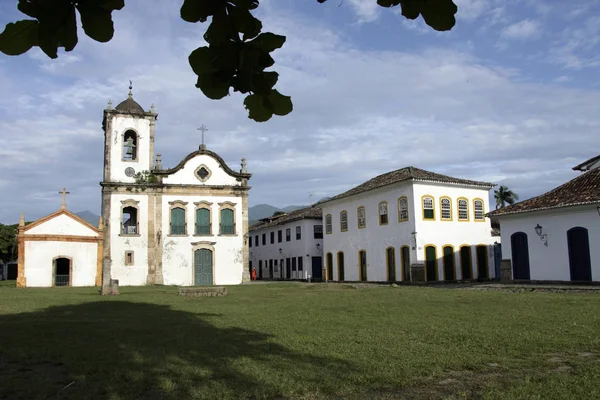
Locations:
{"points": [[203, 268], [520, 256]]}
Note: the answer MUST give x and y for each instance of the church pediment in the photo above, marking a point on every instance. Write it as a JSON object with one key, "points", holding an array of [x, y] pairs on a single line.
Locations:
{"points": [[61, 222]]}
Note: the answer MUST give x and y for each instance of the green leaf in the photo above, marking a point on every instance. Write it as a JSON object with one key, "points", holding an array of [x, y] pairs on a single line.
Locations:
{"points": [[219, 30], [201, 61], [388, 3], [30, 9], [214, 86], [243, 21], [268, 41], [247, 4], [281, 104], [439, 14], [48, 41], [67, 32], [257, 107], [199, 10], [263, 82], [96, 21], [18, 37], [411, 8]]}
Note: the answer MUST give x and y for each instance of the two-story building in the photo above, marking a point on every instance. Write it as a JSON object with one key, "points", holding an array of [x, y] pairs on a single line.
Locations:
{"points": [[288, 246], [409, 224]]}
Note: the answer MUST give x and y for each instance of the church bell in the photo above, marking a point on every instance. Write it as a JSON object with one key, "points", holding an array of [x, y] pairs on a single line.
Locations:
{"points": [[129, 146]]}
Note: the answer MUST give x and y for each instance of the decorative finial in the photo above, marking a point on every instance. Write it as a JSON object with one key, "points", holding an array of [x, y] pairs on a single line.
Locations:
{"points": [[109, 107], [244, 166], [100, 224], [152, 109], [130, 88], [22, 219], [158, 162]]}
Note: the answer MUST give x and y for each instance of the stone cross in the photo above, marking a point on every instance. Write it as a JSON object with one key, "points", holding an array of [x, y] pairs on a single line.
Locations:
{"points": [[64, 198], [203, 129], [244, 170]]}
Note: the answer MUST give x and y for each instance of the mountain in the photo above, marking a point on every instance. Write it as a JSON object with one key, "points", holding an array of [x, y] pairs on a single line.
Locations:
{"points": [[89, 217], [261, 211]]}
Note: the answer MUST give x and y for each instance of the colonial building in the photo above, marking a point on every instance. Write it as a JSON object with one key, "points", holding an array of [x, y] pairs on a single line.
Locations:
{"points": [[550, 237], [288, 246], [185, 225], [409, 224], [59, 249]]}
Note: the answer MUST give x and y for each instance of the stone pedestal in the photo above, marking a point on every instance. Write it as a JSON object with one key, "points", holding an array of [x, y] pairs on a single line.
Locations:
{"points": [[208, 291], [505, 271], [417, 272], [245, 276]]}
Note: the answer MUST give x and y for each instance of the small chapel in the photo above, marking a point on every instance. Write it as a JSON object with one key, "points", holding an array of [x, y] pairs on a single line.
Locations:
{"points": [[186, 225]]}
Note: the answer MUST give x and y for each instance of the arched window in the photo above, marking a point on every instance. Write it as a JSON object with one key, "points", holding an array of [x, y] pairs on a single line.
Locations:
{"points": [[361, 216], [463, 209], [446, 209], [177, 221], [328, 224], [130, 224], [402, 209], [383, 213], [130, 146], [428, 210], [478, 210], [344, 221]]}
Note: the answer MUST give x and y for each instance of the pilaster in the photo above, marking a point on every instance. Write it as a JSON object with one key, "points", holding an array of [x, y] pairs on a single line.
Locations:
{"points": [[246, 255], [21, 279], [157, 239]]}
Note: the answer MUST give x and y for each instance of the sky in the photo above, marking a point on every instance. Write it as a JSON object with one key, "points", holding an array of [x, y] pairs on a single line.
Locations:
{"points": [[510, 95]]}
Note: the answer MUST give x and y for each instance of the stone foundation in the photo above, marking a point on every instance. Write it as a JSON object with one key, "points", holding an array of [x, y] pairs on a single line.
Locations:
{"points": [[505, 271], [417, 272], [209, 291]]}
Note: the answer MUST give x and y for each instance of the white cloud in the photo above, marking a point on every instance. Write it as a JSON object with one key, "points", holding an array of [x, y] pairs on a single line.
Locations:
{"points": [[357, 113], [525, 29], [367, 11]]}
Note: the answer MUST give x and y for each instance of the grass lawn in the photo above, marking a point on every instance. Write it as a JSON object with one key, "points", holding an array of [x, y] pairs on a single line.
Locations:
{"points": [[298, 341]]}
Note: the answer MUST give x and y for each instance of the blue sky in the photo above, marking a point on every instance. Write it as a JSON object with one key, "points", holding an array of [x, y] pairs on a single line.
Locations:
{"points": [[511, 95]]}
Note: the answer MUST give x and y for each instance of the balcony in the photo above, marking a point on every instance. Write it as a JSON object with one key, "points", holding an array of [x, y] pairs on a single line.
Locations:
{"points": [[204, 230], [130, 228], [227, 229]]}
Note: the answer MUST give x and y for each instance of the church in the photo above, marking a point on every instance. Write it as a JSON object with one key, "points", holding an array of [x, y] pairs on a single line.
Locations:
{"points": [[185, 226]]}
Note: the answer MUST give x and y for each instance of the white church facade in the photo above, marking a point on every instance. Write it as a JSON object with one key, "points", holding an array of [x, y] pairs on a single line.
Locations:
{"points": [[409, 225], [185, 225], [59, 249]]}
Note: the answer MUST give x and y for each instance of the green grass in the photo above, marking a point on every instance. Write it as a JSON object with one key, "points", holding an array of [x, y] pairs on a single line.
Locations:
{"points": [[298, 341]]}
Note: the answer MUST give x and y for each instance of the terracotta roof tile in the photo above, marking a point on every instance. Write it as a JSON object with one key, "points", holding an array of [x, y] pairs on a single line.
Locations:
{"points": [[304, 213], [584, 189], [405, 174]]}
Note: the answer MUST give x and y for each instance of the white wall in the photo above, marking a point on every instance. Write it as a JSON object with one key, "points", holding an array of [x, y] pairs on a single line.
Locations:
{"points": [[137, 273], [178, 259], [455, 233], [61, 225], [121, 124], [375, 238], [39, 265], [187, 176], [292, 249], [552, 262]]}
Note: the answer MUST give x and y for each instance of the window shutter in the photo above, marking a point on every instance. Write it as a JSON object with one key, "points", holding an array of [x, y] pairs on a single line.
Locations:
{"points": [[227, 221], [178, 221]]}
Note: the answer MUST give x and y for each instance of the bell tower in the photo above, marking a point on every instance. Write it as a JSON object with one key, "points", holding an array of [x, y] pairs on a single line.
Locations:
{"points": [[128, 140]]}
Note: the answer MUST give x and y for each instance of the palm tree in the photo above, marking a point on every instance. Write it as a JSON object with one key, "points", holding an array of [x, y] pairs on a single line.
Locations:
{"points": [[504, 195]]}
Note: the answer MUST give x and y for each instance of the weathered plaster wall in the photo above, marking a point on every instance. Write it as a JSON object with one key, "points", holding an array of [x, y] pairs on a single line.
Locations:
{"points": [[177, 256], [39, 257], [121, 124], [137, 273]]}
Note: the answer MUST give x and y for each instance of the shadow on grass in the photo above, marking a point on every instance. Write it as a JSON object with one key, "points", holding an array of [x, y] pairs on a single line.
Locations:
{"points": [[125, 350]]}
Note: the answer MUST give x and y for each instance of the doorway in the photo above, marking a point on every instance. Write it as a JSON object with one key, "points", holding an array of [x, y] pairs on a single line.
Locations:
{"points": [[203, 267], [62, 271]]}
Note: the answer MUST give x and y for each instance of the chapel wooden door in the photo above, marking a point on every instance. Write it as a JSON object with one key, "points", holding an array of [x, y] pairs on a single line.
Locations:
{"points": [[580, 265], [203, 267], [519, 247]]}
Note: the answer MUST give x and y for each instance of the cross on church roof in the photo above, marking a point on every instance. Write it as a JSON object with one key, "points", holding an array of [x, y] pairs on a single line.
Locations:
{"points": [[64, 198], [203, 129]]}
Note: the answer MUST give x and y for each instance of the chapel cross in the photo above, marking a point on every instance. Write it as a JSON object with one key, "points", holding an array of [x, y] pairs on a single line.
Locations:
{"points": [[64, 198], [203, 129]]}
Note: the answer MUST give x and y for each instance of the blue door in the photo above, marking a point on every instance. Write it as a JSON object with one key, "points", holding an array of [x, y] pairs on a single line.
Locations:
{"points": [[203, 268], [317, 264]]}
